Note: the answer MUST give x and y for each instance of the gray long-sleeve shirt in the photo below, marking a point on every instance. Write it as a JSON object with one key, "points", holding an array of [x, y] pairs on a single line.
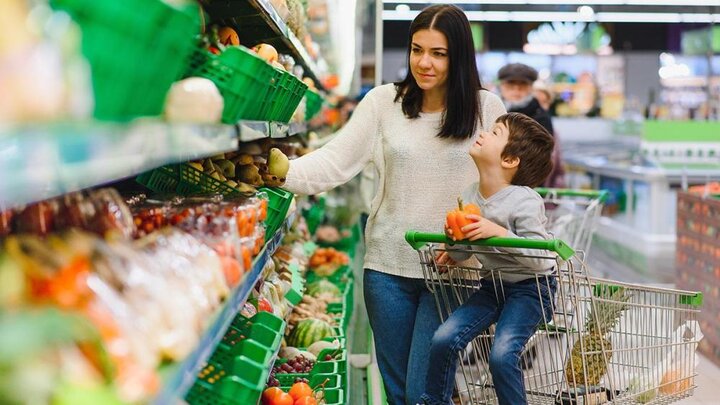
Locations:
{"points": [[521, 211]]}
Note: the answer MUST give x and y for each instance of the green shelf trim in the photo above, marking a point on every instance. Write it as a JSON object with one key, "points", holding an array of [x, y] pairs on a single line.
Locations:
{"points": [[681, 131]]}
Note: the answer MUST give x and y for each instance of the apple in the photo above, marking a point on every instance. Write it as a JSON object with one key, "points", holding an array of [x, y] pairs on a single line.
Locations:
{"points": [[267, 52]]}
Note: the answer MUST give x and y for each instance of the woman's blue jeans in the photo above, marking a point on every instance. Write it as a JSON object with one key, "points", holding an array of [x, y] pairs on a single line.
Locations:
{"points": [[403, 317], [518, 314]]}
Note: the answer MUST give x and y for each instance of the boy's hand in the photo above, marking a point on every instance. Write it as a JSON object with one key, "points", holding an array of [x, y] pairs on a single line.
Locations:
{"points": [[448, 231], [482, 228], [443, 260]]}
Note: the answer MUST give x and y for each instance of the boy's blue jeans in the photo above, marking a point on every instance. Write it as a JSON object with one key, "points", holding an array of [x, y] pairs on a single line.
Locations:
{"points": [[518, 309]]}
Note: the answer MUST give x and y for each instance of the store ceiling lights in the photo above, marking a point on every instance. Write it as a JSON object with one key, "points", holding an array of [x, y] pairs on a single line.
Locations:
{"points": [[550, 16], [684, 3]]}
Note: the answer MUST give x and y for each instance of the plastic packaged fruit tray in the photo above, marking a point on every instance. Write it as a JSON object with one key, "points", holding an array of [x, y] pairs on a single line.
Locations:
{"points": [[184, 180], [279, 202], [244, 81], [313, 103], [242, 384], [136, 49]]}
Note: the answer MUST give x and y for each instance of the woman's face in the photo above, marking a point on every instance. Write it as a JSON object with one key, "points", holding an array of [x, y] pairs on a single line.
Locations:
{"points": [[429, 61]]}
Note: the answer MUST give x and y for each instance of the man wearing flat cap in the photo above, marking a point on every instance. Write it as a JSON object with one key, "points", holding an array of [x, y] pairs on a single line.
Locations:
{"points": [[516, 81], [516, 91]]}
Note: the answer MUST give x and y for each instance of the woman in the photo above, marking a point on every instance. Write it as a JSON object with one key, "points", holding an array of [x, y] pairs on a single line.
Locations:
{"points": [[416, 133]]}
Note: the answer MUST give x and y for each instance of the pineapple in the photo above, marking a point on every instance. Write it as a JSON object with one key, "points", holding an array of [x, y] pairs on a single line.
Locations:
{"points": [[591, 354]]}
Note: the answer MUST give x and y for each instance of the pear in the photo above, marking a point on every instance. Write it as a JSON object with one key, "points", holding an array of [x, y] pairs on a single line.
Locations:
{"points": [[228, 168], [250, 149], [246, 188], [196, 166], [278, 163], [208, 166], [249, 174], [243, 159]]}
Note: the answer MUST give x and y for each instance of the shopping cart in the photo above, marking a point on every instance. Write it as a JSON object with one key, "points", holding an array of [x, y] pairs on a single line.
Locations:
{"points": [[572, 214], [619, 343]]}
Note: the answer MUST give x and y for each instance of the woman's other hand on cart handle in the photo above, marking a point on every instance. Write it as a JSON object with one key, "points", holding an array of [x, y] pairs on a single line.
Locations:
{"points": [[482, 228]]}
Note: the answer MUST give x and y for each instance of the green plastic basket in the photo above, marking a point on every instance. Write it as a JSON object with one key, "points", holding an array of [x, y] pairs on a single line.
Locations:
{"points": [[199, 57], [313, 104], [334, 397], [136, 49], [279, 202], [286, 96], [241, 384], [244, 81], [225, 355], [183, 179]]}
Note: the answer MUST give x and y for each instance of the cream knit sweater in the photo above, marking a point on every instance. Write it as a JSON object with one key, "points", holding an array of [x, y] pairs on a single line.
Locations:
{"points": [[420, 175]]}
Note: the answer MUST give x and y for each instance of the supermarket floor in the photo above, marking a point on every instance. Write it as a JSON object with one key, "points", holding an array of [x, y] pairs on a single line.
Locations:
{"points": [[362, 390]]}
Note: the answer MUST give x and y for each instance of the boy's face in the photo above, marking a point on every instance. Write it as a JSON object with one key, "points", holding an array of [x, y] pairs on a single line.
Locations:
{"points": [[487, 149]]}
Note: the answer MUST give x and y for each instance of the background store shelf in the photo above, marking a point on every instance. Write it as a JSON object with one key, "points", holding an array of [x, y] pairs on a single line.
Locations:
{"points": [[180, 377], [257, 21], [39, 162]]}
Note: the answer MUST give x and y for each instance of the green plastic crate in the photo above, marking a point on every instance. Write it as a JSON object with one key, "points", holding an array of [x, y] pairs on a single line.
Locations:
{"points": [[249, 348], [136, 50], [244, 80], [313, 104], [279, 202], [334, 397], [183, 179], [199, 57], [241, 384], [286, 97], [320, 367]]}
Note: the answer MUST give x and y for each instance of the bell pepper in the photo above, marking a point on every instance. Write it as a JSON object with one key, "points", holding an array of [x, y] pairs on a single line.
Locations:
{"points": [[457, 219]]}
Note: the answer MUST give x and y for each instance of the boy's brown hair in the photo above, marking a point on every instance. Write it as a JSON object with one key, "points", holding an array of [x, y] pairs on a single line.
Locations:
{"points": [[532, 144]]}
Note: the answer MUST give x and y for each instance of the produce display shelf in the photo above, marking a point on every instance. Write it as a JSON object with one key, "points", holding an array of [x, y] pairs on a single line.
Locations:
{"points": [[258, 19], [44, 161], [289, 38], [180, 377], [254, 130]]}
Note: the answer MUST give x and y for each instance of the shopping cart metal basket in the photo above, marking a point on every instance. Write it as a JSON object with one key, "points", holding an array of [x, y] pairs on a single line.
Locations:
{"points": [[572, 214], [616, 343]]}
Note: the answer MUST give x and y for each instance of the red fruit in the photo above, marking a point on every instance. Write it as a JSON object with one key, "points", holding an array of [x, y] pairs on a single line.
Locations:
{"points": [[300, 390], [282, 399], [305, 401], [270, 394], [213, 50]]}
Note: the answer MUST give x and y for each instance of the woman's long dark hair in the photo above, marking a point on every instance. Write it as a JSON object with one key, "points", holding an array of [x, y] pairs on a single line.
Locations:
{"points": [[462, 107]]}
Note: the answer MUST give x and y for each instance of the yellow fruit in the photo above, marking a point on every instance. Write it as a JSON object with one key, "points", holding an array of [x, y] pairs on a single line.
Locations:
{"points": [[278, 164], [267, 52]]}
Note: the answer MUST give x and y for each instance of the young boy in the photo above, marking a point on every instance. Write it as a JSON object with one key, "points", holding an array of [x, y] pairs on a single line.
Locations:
{"points": [[515, 156]]}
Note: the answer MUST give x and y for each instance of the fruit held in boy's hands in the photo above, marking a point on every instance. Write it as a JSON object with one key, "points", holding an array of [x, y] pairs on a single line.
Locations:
{"points": [[456, 219]]}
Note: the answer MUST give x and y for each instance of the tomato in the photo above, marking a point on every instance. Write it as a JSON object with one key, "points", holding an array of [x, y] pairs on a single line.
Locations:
{"points": [[270, 394], [282, 399], [305, 401], [300, 390]]}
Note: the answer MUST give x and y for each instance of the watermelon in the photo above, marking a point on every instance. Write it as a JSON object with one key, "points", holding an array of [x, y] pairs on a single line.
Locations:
{"points": [[323, 286], [309, 331]]}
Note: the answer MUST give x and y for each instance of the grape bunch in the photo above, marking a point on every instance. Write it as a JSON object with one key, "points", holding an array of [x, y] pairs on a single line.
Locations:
{"points": [[298, 365]]}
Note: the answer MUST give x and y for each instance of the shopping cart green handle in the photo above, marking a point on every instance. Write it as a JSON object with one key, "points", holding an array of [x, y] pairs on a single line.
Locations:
{"points": [[601, 195], [419, 239]]}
